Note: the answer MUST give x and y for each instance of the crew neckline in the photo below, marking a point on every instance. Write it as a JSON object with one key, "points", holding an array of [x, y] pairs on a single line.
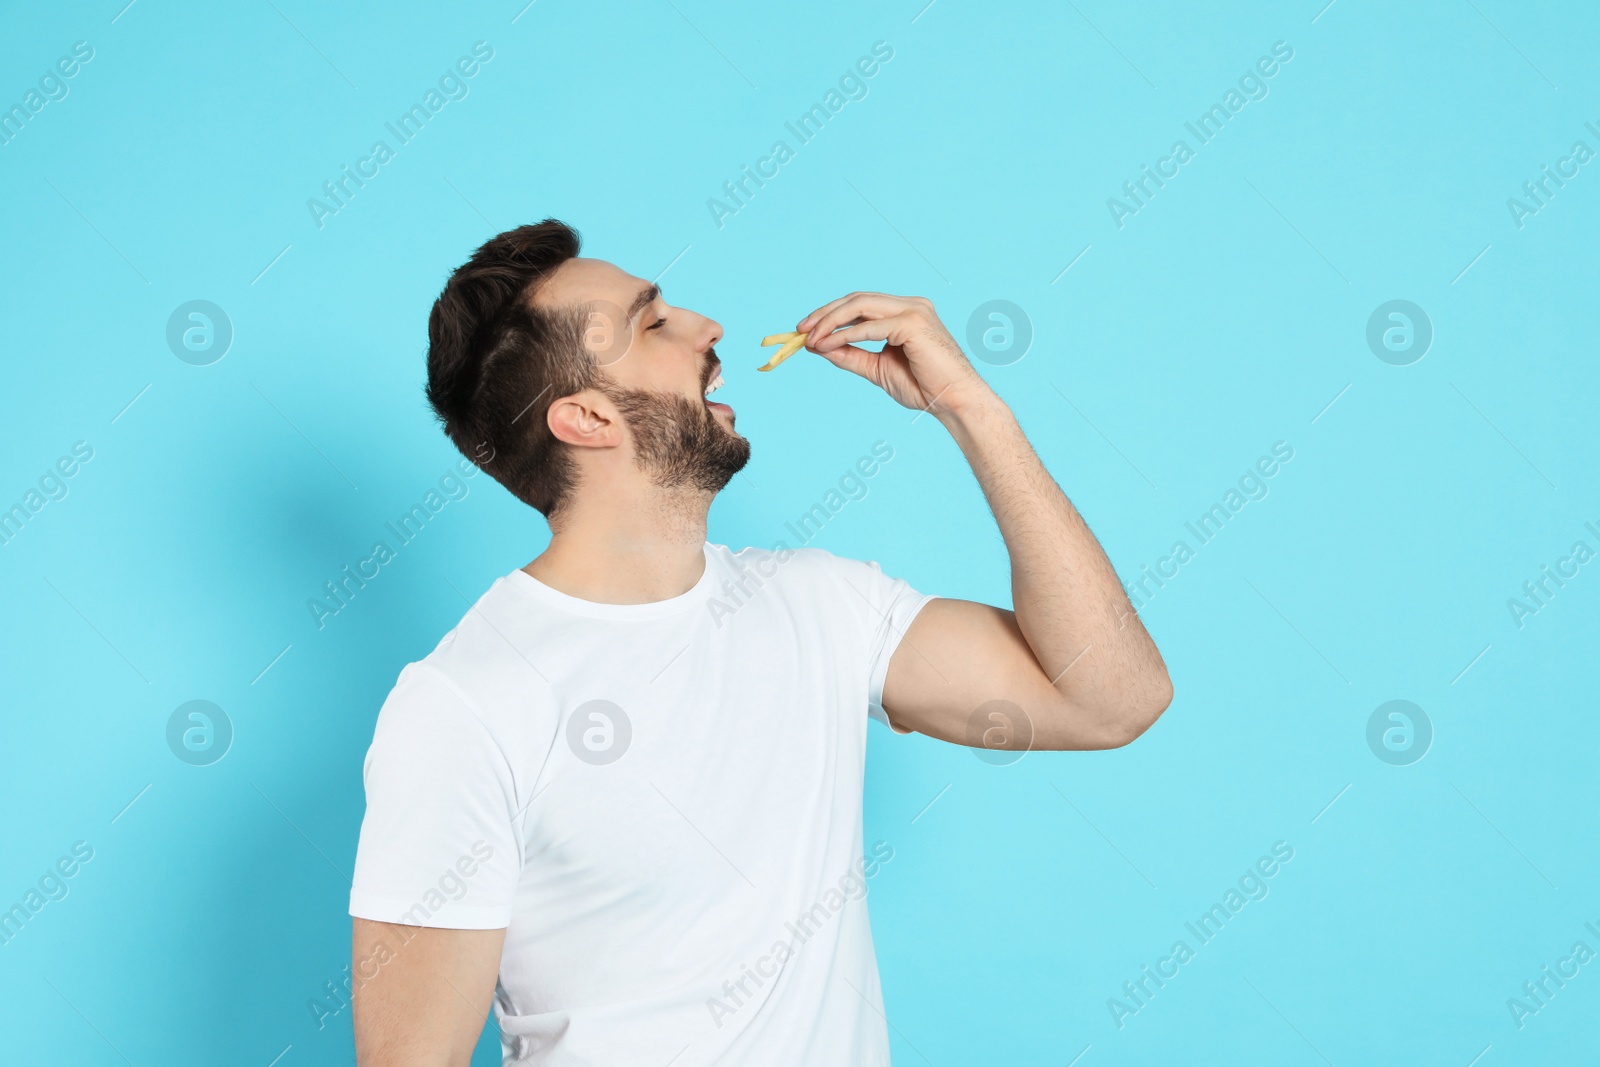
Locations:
{"points": [[655, 609]]}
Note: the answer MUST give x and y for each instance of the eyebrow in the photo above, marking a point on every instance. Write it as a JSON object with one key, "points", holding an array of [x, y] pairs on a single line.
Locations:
{"points": [[645, 298]]}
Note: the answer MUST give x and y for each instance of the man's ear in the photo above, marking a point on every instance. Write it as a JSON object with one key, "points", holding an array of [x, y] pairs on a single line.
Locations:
{"points": [[585, 420]]}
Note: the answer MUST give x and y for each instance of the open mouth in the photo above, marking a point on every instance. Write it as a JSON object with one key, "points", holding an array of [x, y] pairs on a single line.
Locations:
{"points": [[712, 386]]}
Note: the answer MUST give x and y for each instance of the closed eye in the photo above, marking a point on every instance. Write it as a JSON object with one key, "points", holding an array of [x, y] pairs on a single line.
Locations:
{"points": [[657, 324]]}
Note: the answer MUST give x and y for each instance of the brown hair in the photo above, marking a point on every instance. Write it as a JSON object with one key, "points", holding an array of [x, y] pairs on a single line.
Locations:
{"points": [[496, 362]]}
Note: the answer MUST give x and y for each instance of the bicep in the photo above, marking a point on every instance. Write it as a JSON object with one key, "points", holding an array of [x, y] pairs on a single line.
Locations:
{"points": [[421, 994], [964, 673]]}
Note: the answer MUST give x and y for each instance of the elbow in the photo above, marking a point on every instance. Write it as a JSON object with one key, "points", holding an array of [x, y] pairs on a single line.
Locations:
{"points": [[1160, 697], [1155, 699], [1135, 714], [1085, 723]]}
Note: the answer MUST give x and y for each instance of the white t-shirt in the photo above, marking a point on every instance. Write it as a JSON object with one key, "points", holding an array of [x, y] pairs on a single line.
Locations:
{"points": [[660, 803]]}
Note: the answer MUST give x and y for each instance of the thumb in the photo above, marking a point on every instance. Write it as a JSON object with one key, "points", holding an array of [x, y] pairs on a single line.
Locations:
{"points": [[855, 360]]}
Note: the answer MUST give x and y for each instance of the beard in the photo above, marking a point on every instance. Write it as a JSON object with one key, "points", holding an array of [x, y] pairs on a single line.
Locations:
{"points": [[678, 441]]}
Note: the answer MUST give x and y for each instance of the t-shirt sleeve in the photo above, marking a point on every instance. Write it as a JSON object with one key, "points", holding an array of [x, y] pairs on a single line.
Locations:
{"points": [[438, 845], [889, 605]]}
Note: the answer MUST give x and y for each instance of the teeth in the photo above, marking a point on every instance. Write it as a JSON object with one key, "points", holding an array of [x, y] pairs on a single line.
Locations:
{"points": [[716, 383]]}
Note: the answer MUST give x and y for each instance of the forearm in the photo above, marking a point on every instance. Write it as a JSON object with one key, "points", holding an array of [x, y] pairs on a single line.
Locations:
{"points": [[1068, 601]]}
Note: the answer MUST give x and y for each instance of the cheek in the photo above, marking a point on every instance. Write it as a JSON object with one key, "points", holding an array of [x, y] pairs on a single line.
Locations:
{"points": [[680, 372]]}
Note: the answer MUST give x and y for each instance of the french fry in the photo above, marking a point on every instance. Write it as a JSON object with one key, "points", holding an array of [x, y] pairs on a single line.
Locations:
{"points": [[779, 338], [790, 347]]}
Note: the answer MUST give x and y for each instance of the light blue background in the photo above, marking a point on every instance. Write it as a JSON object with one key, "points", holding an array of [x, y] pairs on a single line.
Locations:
{"points": [[1228, 314]]}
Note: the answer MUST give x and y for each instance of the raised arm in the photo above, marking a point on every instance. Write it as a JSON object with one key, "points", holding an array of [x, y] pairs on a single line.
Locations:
{"points": [[1073, 656], [420, 994]]}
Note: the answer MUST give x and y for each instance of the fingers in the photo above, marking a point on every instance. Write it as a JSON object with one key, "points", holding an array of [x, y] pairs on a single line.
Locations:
{"points": [[874, 330], [855, 360], [852, 308], [804, 325]]}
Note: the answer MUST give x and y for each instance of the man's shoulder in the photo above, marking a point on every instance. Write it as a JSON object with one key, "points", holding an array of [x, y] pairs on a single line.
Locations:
{"points": [[484, 664], [804, 575]]}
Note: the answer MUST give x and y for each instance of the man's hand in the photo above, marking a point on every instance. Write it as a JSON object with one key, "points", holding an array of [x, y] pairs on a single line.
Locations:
{"points": [[921, 365]]}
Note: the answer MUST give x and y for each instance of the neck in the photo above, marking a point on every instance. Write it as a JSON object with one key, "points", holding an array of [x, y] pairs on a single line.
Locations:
{"points": [[632, 552]]}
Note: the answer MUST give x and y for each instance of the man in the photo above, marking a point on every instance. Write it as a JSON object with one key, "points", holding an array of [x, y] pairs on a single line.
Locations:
{"points": [[623, 795]]}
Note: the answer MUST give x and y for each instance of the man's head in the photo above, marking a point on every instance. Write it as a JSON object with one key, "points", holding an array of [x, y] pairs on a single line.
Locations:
{"points": [[555, 373]]}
